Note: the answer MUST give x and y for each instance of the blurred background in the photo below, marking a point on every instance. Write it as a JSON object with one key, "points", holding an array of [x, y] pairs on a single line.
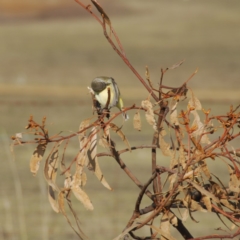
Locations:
{"points": [[50, 50]]}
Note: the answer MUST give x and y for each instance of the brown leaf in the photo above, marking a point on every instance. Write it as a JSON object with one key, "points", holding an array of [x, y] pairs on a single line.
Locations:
{"points": [[147, 105], [67, 173], [163, 233], [52, 199], [83, 127], [227, 204], [200, 128], [181, 158], [93, 164], [165, 226], [51, 166], [147, 75], [80, 163], [176, 65], [204, 191], [164, 146], [173, 113], [137, 121], [61, 197], [192, 204], [172, 219], [207, 202], [191, 174], [82, 197], [103, 142], [194, 103], [118, 130], [50, 172], [234, 182], [101, 11], [185, 215], [79, 177], [204, 168], [172, 179], [126, 231], [37, 157]]}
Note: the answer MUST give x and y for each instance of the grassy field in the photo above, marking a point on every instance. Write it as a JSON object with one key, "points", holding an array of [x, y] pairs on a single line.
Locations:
{"points": [[45, 68]]}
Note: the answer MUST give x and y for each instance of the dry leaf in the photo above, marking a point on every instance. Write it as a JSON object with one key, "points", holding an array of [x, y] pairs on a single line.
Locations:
{"points": [[192, 204], [207, 202], [18, 135], [191, 174], [50, 172], [137, 121], [117, 130], [60, 200], [82, 197], [172, 179], [176, 65], [234, 182], [147, 75], [205, 169], [173, 219], [181, 158], [195, 206], [126, 231], [173, 113], [61, 197], [194, 103], [185, 215], [50, 168], [227, 204], [79, 177], [200, 128], [52, 199], [163, 234], [204, 191], [101, 11], [37, 157], [93, 164], [67, 173], [146, 104], [83, 127], [103, 142], [165, 226], [80, 163], [165, 147]]}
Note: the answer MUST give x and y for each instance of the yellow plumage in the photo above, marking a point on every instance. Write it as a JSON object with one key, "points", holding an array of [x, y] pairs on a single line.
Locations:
{"points": [[100, 86]]}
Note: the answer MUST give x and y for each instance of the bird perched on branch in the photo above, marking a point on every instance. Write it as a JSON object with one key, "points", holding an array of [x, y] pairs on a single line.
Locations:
{"points": [[107, 93]]}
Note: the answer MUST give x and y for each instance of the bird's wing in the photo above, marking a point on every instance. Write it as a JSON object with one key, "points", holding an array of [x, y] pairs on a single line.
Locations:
{"points": [[116, 92]]}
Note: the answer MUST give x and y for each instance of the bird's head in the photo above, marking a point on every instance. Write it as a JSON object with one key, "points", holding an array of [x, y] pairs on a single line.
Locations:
{"points": [[100, 83]]}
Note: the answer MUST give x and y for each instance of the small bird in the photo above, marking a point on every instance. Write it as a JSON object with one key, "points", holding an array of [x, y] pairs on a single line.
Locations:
{"points": [[100, 86]]}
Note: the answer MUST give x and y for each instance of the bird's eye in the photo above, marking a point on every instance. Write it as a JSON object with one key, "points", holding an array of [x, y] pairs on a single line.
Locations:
{"points": [[98, 86]]}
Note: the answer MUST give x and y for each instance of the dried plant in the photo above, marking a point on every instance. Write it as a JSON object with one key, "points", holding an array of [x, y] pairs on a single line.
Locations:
{"points": [[180, 137]]}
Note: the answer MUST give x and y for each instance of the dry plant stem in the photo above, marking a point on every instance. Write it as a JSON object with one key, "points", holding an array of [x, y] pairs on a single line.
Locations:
{"points": [[218, 236], [136, 212], [129, 64], [137, 147], [120, 53], [182, 229], [224, 213], [116, 156], [157, 188], [232, 160], [154, 164]]}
